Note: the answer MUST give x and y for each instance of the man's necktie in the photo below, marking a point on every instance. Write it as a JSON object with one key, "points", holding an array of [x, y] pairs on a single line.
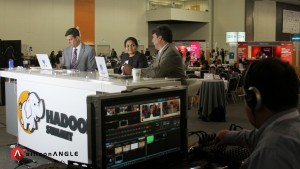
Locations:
{"points": [[74, 59]]}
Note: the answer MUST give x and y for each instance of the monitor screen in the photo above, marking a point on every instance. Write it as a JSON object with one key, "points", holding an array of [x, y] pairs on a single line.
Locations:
{"points": [[139, 128], [295, 37]]}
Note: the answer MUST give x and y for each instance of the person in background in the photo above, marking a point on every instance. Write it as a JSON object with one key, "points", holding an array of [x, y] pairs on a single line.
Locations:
{"points": [[236, 68], [216, 54], [202, 56], [204, 65], [196, 63], [222, 53], [52, 59], [147, 53], [271, 87], [59, 57], [168, 62], [232, 74], [188, 56], [78, 55], [132, 58], [180, 52], [113, 54], [212, 69]]}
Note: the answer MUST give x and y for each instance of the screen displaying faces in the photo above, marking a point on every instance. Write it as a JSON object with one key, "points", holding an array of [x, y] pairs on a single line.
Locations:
{"points": [[140, 131]]}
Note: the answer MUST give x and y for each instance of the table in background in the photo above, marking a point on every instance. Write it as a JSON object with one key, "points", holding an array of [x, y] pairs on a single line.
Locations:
{"points": [[212, 105]]}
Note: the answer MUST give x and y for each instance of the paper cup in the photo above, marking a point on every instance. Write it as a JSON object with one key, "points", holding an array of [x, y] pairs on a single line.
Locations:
{"points": [[136, 74]]}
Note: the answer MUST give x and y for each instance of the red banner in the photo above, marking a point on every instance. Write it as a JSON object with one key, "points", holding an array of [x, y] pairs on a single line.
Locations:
{"points": [[243, 50], [287, 51]]}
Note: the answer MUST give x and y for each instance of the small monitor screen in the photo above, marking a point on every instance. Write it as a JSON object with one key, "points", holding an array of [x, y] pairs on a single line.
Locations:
{"points": [[139, 128], [295, 37]]}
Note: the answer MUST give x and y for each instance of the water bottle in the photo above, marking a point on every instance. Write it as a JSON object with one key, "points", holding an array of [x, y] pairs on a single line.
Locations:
{"points": [[10, 64]]}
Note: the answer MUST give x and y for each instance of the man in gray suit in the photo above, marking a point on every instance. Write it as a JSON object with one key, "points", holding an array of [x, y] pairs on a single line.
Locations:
{"points": [[78, 55], [168, 62]]}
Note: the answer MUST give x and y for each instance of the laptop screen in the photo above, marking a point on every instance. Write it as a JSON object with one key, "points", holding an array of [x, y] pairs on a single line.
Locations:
{"points": [[208, 76], [44, 61], [139, 128], [101, 66]]}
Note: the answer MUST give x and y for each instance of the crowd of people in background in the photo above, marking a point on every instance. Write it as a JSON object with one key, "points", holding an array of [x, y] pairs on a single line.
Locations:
{"points": [[55, 58]]}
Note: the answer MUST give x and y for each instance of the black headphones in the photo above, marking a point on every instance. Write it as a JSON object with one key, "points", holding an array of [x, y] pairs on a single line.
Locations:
{"points": [[253, 96]]}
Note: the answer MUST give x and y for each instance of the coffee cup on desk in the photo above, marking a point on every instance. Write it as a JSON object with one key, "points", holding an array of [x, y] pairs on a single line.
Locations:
{"points": [[25, 64], [136, 74]]}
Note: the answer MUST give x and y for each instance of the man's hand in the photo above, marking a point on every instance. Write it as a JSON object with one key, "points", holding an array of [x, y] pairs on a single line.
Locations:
{"points": [[221, 136], [58, 66], [127, 69]]}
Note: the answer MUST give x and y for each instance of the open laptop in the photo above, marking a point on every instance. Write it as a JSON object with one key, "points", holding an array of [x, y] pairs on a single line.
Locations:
{"points": [[44, 61], [208, 76], [103, 71]]}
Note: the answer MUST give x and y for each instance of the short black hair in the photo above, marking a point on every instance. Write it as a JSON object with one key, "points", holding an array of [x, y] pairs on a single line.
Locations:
{"points": [[132, 39], [72, 31], [165, 32], [277, 82]]}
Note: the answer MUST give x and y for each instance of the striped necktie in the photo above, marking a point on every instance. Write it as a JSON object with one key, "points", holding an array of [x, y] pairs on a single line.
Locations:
{"points": [[74, 59]]}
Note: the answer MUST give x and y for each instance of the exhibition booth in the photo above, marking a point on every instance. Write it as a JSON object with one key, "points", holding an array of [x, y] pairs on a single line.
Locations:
{"points": [[192, 49], [256, 50]]}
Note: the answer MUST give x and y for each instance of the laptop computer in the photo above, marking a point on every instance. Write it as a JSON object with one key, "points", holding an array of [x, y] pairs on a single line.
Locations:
{"points": [[208, 76], [44, 61], [103, 71]]}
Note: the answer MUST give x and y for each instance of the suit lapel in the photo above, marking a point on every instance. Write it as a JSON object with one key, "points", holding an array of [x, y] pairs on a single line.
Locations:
{"points": [[70, 55], [81, 53]]}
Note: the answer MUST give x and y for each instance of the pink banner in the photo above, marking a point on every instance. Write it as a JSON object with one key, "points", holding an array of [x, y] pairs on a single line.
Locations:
{"points": [[195, 51]]}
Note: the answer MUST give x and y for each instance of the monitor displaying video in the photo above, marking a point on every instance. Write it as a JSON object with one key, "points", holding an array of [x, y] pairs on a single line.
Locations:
{"points": [[138, 128]]}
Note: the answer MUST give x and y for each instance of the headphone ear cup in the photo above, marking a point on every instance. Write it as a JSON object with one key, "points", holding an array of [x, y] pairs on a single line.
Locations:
{"points": [[253, 98]]}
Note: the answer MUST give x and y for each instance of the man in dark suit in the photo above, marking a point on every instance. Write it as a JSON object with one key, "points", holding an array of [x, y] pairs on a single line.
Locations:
{"points": [[168, 62], [78, 55], [147, 53]]}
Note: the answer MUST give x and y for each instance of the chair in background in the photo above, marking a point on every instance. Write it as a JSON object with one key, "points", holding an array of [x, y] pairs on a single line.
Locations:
{"points": [[239, 92], [232, 85]]}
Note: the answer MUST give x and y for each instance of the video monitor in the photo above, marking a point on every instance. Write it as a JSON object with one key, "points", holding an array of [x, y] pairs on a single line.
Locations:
{"points": [[268, 50], [138, 129], [295, 37]]}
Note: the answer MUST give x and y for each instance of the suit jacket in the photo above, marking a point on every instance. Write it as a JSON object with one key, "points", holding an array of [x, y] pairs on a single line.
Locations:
{"points": [[86, 58], [139, 60], [168, 64]]}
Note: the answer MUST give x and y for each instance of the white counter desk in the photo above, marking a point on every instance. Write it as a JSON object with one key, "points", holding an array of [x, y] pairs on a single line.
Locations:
{"points": [[51, 107], [84, 80]]}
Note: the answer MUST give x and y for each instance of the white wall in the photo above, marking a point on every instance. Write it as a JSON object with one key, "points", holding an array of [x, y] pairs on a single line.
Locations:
{"points": [[116, 20], [229, 16], [265, 21], [38, 23], [42, 23]]}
